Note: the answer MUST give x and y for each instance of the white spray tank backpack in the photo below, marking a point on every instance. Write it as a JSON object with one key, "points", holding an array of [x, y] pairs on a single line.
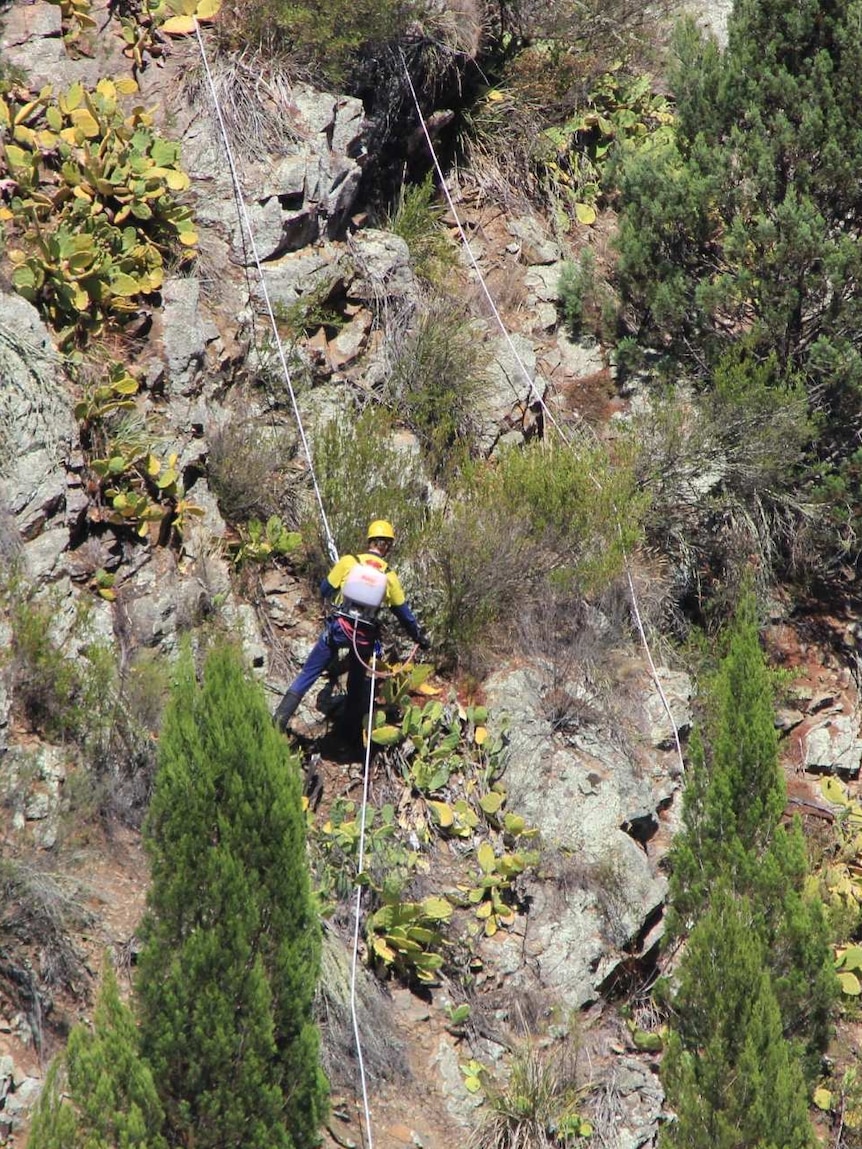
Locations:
{"points": [[364, 588]]}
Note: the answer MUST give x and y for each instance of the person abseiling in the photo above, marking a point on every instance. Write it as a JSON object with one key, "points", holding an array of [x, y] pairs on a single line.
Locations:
{"points": [[358, 586]]}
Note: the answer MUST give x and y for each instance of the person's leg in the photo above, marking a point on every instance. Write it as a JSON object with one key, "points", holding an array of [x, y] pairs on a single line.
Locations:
{"points": [[314, 666], [358, 688]]}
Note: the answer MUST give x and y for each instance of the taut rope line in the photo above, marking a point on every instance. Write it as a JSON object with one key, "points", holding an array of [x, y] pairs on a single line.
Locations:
{"points": [[333, 554], [246, 223], [546, 410]]}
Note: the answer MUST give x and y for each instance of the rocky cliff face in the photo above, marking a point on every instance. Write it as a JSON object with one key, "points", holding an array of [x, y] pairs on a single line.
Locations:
{"points": [[602, 788]]}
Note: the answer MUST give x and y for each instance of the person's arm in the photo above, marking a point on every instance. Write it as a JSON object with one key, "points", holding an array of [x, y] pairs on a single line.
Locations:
{"points": [[411, 625]]}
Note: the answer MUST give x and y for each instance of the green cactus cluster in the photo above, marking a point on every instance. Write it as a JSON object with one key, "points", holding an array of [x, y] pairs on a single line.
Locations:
{"points": [[449, 759], [135, 485], [94, 209], [77, 17], [259, 541], [444, 750], [839, 880], [620, 109], [843, 1102], [144, 24], [841, 875], [405, 937], [335, 849], [433, 743], [141, 489], [494, 893], [115, 394]]}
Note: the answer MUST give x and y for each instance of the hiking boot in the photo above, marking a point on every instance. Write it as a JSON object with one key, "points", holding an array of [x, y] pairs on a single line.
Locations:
{"points": [[286, 710]]}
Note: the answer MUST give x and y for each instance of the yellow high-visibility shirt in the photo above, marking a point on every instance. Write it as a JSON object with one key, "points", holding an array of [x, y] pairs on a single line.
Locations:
{"points": [[394, 591]]}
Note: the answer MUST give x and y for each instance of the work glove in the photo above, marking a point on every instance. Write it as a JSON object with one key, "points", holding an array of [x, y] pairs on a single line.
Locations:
{"points": [[422, 640]]}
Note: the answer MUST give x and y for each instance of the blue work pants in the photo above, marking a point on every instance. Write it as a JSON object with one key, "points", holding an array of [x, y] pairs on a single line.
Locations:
{"points": [[338, 635]]}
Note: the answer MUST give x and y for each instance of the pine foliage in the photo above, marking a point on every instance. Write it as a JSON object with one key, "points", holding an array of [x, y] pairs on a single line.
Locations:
{"points": [[733, 800], [732, 1078], [232, 936], [756, 985], [100, 1093], [747, 225]]}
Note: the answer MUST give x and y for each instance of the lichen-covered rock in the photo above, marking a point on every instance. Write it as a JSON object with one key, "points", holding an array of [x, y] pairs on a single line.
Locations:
{"points": [[36, 420]]}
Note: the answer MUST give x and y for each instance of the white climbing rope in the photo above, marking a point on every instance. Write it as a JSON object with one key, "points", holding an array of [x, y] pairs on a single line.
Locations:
{"points": [[330, 544], [566, 438], [333, 553], [360, 868], [246, 224]]}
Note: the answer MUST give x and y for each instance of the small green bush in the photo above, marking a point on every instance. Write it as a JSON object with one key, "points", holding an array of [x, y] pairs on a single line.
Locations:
{"points": [[364, 475], [570, 514], [82, 702], [49, 688], [475, 572], [577, 281], [313, 309], [437, 381], [418, 221], [723, 472], [323, 38], [100, 1091], [43, 912], [586, 302], [582, 502]]}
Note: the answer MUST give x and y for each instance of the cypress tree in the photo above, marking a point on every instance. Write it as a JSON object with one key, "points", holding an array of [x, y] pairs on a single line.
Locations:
{"points": [[733, 800], [732, 836], [731, 1076], [232, 940], [100, 1093], [794, 929]]}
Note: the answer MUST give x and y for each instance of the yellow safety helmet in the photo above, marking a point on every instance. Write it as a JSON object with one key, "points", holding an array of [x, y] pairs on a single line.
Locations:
{"points": [[380, 529]]}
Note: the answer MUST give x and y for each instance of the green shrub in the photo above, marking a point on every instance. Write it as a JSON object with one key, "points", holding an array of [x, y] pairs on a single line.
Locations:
{"points": [[582, 503], [437, 381], [364, 475], [723, 474], [310, 311], [80, 700], [577, 281], [100, 1091], [586, 302], [418, 221], [322, 38], [49, 688], [476, 570], [534, 513]]}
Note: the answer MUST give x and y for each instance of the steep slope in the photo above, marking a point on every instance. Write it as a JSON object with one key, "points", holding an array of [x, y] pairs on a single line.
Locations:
{"points": [[595, 771]]}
